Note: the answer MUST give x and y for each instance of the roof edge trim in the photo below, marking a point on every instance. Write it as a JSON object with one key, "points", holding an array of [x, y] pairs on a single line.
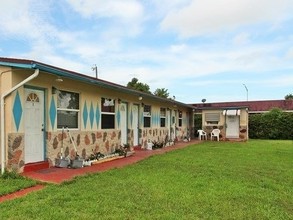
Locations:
{"points": [[18, 65]]}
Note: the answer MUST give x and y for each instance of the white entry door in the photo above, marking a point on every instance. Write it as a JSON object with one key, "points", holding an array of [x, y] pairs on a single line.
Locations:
{"points": [[34, 126], [173, 125], [168, 123], [123, 123], [232, 130], [135, 125]]}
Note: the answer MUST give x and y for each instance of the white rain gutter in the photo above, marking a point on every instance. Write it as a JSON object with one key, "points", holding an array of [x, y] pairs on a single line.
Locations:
{"points": [[2, 128]]}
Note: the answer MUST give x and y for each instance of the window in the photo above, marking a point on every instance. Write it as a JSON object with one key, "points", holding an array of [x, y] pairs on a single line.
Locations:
{"points": [[32, 97], [212, 118], [180, 119], [108, 113], [163, 117], [147, 116], [67, 109]]}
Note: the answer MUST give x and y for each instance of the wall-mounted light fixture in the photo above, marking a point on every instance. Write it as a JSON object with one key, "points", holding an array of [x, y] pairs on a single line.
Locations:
{"points": [[140, 98], [59, 79]]}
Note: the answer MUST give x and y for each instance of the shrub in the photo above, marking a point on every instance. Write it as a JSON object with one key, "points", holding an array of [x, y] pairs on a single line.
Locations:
{"points": [[274, 124]]}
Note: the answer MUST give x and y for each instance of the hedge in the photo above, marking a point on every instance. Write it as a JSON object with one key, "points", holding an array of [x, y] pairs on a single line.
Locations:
{"points": [[274, 124]]}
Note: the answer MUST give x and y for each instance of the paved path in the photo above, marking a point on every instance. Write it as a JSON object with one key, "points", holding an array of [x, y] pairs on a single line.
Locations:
{"points": [[20, 193]]}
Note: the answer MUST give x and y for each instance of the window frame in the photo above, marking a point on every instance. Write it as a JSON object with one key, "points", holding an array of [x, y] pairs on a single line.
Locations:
{"points": [[180, 118], [212, 118], [60, 108], [147, 116], [163, 115], [106, 111]]}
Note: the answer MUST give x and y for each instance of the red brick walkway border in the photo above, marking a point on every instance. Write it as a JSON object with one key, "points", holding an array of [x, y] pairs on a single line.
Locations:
{"points": [[21, 193]]}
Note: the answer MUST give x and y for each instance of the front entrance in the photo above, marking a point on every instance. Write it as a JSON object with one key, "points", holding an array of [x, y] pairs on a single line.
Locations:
{"points": [[34, 126], [173, 125], [168, 123], [135, 125], [123, 123], [232, 129]]}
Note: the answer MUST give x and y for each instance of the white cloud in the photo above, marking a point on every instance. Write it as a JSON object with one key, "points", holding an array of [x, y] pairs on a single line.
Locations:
{"points": [[16, 20], [127, 9], [26, 20], [289, 54], [180, 61], [206, 17], [279, 81], [115, 18], [162, 7], [111, 40], [242, 38]]}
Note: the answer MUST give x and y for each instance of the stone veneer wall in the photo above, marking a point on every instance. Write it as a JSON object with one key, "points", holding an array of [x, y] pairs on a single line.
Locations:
{"points": [[105, 142], [155, 134], [15, 152], [181, 133], [86, 142], [243, 133], [130, 138]]}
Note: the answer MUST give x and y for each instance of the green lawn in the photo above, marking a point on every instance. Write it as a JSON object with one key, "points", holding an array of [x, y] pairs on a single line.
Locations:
{"points": [[212, 180], [11, 182]]}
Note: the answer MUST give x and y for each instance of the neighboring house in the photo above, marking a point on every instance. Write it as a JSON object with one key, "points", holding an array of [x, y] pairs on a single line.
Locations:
{"points": [[253, 106], [39, 100], [232, 121], [232, 117]]}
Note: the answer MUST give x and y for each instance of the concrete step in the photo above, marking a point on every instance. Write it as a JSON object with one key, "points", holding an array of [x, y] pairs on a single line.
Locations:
{"points": [[36, 166]]}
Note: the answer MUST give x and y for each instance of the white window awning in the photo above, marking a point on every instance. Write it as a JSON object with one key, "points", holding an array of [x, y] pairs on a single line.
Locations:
{"points": [[231, 112]]}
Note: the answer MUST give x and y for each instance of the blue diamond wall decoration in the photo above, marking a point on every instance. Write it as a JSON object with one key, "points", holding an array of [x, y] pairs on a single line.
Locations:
{"points": [[98, 116], [118, 118], [85, 114], [52, 112], [17, 110], [92, 115]]}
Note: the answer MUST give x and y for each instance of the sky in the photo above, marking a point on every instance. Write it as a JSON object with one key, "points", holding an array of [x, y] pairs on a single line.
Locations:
{"points": [[197, 49]]}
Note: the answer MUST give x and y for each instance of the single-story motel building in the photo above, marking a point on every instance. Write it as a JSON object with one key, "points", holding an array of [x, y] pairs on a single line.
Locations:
{"points": [[48, 112]]}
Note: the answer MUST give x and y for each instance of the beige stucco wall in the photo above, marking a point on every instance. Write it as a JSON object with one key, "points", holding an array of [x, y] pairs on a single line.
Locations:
{"points": [[87, 138], [6, 85]]}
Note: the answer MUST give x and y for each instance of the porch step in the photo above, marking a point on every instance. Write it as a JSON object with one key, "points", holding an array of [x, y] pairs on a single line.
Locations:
{"points": [[36, 166], [138, 147]]}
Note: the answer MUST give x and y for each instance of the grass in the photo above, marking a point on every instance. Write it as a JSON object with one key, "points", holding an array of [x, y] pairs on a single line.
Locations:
{"points": [[212, 180], [11, 182]]}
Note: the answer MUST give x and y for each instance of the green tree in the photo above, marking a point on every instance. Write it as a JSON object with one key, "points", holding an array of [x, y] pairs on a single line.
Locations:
{"points": [[135, 84], [289, 96], [162, 93]]}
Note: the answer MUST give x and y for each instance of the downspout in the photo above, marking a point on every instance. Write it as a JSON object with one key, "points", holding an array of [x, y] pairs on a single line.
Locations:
{"points": [[2, 128]]}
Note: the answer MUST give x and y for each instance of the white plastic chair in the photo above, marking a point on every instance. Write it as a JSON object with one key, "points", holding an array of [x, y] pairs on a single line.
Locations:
{"points": [[215, 133], [202, 134]]}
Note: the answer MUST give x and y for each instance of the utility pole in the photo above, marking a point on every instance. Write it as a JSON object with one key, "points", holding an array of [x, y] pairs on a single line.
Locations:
{"points": [[246, 92], [95, 68]]}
